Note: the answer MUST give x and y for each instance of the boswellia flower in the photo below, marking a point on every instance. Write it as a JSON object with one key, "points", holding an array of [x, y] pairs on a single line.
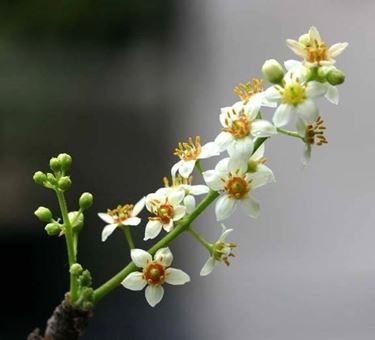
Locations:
{"points": [[231, 177], [155, 273], [190, 153], [123, 215], [221, 251], [166, 208], [313, 50]]}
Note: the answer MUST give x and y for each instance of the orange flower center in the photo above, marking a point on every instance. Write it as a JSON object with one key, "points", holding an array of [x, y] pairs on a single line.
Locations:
{"points": [[190, 150], [165, 213], [239, 128], [121, 213], [154, 273], [246, 90], [316, 52], [237, 187]]}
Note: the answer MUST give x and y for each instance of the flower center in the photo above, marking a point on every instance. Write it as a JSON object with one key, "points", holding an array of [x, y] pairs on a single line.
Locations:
{"points": [[238, 128], [314, 133], [237, 187], [154, 273], [190, 150], [246, 90], [316, 52], [121, 213], [294, 94], [222, 251], [165, 213]]}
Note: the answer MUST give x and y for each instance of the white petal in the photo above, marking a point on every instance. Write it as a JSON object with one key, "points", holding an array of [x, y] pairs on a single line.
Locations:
{"points": [[306, 154], [337, 49], [253, 106], [262, 128], [138, 207], [315, 89], [175, 168], [168, 227], [251, 207], [213, 180], [208, 267], [176, 196], [152, 230], [242, 148], [209, 150], [308, 110], [153, 197], [179, 212], [225, 234], [262, 176], [108, 230], [199, 189], [225, 112], [140, 257], [164, 256], [154, 294], [175, 276], [296, 47], [186, 168], [222, 166], [189, 203], [224, 207], [332, 94], [223, 140], [132, 221], [314, 34], [134, 281], [301, 127], [106, 218], [272, 95], [258, 154], [238, 165], [282, 115], [292, 64]]}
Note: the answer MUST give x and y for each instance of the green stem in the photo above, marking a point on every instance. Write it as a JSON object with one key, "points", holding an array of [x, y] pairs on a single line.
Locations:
{"points": [[198, 165], [289, 133], [200, 239], [181, 226], [69, 237], [128, 236]]}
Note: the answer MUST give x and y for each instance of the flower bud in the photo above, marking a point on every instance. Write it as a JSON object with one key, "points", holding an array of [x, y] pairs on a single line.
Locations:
{"points": [[55, 164], [335, 77], [64, 183], [252, 166], [44, 214], [52, 228], [85, 279], [273, 71], [65, 160], [51, 178], [39, 177], [76, 220], [85, 201], [76, 269]]}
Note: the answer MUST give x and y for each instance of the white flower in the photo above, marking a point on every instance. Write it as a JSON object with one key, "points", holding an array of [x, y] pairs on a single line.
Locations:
{"points": [[240, 126], [313, 50], [231, 177], [296, 96], [166, 208], [190, 153], [312, 134], [155, 272], [181, 183], [221, 252], [121, 216]]}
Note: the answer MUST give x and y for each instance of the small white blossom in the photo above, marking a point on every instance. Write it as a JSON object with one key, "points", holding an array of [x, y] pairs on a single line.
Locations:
{"points": [[155, 273], [125, 215], [190, 153], [221, 252], [231, 177], [313, 50], [166, 208]]}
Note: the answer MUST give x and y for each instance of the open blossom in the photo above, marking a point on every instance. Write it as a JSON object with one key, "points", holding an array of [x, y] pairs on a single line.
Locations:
{"points": [[232, 179], [221, 252], [190, 153], [166, 208], [296, 96], [240, 126], [155, 272], [181, 183], [313, 50], [123, 215]]}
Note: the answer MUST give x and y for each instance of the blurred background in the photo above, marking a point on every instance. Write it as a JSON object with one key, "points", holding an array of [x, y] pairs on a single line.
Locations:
{"points": [[117, 85]]}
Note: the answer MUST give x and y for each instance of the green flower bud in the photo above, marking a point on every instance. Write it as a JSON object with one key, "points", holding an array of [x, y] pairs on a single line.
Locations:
{"points": [[65, 160], [304, 39], [88, 305], [64, 183], [55, 164], [52, 228], [76, 269], [273, 71], [44, 214], [51, 178], [85, 279], [77, 220], [39, 177], [335, 77], [85, 201], [252, 165], [87, 294]]}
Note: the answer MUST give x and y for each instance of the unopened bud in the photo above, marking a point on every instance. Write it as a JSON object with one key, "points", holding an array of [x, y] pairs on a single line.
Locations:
{"points": [[65, 161], [44, 214], [52, 229], [51, 178], [85, 201], [252, 166], [335, 77], [85, 279], [54, 164], [76, 269], [39, 177], [64, 183], [273, 71], [76, 220]]}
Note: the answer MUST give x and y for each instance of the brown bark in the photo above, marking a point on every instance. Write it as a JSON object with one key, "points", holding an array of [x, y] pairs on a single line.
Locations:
{"points": [[67, 322]]}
